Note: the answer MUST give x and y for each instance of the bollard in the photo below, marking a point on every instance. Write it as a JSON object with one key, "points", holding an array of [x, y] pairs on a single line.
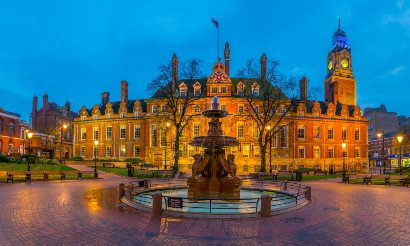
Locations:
{"points": [[285, 185], [146, 183], [309, 192], [157, 203], [121, 191], [266, 203]]}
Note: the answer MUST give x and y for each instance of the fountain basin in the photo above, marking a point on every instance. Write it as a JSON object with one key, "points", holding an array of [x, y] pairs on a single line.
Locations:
{"points": [[214, 141], [215, 113]]}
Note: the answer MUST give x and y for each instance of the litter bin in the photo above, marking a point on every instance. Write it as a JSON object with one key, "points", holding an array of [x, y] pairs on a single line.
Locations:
{"points": [[298, 176]]}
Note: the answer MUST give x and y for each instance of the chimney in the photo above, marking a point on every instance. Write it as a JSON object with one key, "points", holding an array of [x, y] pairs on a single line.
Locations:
{"points": [[174, 71], [106, 96], [124, 91], [33, 114], [68, 105], [263, 67], [303, 88], [45, 105], [227, 53]]}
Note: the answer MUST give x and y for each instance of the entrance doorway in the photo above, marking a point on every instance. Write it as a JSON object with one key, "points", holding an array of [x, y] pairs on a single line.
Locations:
{"points": [[331, 168], [157, 160]]}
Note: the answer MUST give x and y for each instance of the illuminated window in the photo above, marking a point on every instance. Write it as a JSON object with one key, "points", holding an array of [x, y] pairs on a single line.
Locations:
{"points": [[197, 129], [108, 132], [241, 130], [330, 134], [108, 151], [83, 134], [122, 151], [122, 132], [301, 152], [330, 152], [316, 132], [83, 118], [357, 152], [214, 89], [344, 133], [223, 107], [95, 151], [301, 132], [82, 151], [245, 152], [316, 152], [357, 134], [137, 131], [197, 109], [154, 109], [137, 151], [223, 89], [240, 109], [163, 109], [154, 136], [95, 133]]}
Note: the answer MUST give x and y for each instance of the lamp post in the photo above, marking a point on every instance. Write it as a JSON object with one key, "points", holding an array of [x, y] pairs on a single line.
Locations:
{"points": [[379, 135], [30, 135], [270, 151], [166, 145], [95, 157], [343, 155], [400, 138], [61, 141]]}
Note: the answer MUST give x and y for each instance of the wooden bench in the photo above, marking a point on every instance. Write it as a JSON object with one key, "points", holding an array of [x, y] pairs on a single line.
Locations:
{"points": [[260, 174], [349, 177], [71, 173], [283, 175], [36, 174], [4, 174], [47, 175], [379, 177], [105, 164], [320, 172], [18, 174], [145, 173], [163, 173], [81, 173], [403, 179]]}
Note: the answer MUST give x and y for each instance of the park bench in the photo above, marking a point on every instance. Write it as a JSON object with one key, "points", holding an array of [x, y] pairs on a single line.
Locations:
{"points": [[4, 174], [163, 173], [384, 178], [145, 173], [283, 175], [47, 175], [355, 176], [320, 172], [262, 174], [81, 173], [32, 174], [18, 174], [108, 164], [71, 173], [403, 179]]}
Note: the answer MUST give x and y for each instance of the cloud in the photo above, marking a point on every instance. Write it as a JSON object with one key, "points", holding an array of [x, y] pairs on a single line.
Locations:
{"points": [[400, 3], [397, 70], [403, 19]]}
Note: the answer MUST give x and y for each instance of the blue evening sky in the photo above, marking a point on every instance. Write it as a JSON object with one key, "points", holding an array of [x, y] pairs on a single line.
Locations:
{"points": [[75, 50]]}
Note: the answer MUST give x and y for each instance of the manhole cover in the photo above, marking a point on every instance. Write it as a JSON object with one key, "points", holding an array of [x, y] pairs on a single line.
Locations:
{"points": [[295, 220], [331, 209]]}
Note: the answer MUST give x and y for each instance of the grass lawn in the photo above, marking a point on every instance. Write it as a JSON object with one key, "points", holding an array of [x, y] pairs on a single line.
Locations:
{"points": [[307, 177], [124, 172]]}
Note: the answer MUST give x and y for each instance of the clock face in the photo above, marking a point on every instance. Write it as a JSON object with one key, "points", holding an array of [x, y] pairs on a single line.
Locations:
{"points": [[344, 63], [329, 65]]}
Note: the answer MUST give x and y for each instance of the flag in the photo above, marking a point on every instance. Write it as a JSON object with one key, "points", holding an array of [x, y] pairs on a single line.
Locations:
{"points": [[216, 23]]}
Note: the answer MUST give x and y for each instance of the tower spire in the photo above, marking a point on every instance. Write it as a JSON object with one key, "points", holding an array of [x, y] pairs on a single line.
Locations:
{"points": [[339, 21]]}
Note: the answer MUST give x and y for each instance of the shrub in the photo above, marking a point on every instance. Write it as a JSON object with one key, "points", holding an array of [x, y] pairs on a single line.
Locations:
{"points": [[12, 160], [76, 158], [19, 162], [133, 160], [307, 169], [41, 161], [52, 162], [4, 158], [32, 160]]}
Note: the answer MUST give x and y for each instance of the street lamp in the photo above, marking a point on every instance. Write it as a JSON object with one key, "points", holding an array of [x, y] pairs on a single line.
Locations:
{"points": [[61, 142], [95, 157], [270, 151], [400, 138], [166, 145], [379, 135], [30, 135], [344, 169]]}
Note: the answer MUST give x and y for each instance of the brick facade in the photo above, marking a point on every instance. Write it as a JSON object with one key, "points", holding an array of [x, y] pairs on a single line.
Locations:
{"points": [[13, 137]]}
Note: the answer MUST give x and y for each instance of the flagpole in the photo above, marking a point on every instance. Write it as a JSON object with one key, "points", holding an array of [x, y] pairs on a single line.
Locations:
{"points": [[218, 42]]}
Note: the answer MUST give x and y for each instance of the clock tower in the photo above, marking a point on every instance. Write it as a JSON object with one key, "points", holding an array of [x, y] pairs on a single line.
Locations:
{"points": [[340, 83]]}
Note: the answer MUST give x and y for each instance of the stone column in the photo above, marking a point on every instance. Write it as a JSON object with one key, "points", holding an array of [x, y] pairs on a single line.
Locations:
{"points": [[285, 185], [309, 192], [121, 191], [266, 203], [157, 203]]}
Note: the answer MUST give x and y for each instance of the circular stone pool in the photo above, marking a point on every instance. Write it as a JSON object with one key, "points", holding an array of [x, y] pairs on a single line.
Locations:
{"points": [[248, 203]]}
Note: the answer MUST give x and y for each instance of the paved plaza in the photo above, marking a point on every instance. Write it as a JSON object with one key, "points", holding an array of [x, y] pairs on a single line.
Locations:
{"points": [[86, 212]]}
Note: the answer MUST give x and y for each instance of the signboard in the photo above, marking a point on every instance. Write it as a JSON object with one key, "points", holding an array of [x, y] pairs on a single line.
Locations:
{"points": [[174, 202]]}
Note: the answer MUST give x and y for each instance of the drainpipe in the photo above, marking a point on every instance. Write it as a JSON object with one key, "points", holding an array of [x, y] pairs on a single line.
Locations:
{"points": [[115, 136], [129, 138]]}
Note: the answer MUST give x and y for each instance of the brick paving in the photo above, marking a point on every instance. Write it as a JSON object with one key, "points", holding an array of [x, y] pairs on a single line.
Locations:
{"points": [[86, 212]]}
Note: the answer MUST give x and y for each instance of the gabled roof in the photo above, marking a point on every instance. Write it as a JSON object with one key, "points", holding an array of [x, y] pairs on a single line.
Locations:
{"points": [[116, 107]]}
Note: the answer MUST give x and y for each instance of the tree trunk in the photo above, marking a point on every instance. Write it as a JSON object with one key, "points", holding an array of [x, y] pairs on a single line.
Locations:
{"points": [[176, 153], [263, 158]]}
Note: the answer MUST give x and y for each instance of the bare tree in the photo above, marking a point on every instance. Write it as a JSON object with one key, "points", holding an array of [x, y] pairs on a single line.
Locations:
{"points": [[269, 97], [179, 101], [45, 139]]}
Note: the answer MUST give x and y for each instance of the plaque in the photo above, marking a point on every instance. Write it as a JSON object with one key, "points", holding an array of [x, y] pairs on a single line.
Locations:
{"points": [[175, 202]]}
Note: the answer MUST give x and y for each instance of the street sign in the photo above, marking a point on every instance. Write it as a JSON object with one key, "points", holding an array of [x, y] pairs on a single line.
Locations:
{"points": [[175, 202]]}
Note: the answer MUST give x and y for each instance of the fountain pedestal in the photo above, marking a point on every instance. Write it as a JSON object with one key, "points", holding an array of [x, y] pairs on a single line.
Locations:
{"points": [[213, 188]]}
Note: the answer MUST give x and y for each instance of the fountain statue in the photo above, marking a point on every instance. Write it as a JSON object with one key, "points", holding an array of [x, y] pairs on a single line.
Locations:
{"points": [[214, 176]]}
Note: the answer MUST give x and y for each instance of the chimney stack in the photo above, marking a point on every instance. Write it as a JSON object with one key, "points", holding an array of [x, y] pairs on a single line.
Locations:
{"points": [[174, 71], [68, 105], [106, 96], [124, 91], [227, 52], [34, 111], [45, 109], [303, 88], [263, 67]]}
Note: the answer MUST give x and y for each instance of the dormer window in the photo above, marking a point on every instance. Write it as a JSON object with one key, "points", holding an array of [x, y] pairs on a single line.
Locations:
{"points": [[95, 117], [223, 89], [256, 92], [214, 89], [197, 109], [122, 115], [301, 114], [239, 88], [108, 116], [282, 109], [240, 92], [137, 114], [257, 109], [163, 109], [83, 118], [183, 92], [154, 109], [197, 92]]}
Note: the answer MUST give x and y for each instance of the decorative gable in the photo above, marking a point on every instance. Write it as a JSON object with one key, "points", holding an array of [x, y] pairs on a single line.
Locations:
{"points": [[255, 89], [316, 109], [183, 89], [96, 110], [83, 111], [108, 109], [330, 110], [218, 75]]}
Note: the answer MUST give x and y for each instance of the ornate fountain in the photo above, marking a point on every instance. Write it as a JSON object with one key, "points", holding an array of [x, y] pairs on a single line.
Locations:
{"points": [[213, 175]]}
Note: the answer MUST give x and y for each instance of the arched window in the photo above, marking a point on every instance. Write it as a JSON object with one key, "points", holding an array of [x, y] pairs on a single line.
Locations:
{"points": [[11, 126]]}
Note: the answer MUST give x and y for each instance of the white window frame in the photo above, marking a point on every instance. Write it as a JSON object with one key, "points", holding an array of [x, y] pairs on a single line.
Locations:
{"points": [[95, 133], [155, 109], [83, 132], [318, 151], [301, 152], [137, 151], [316, 129], [245, 151], [108, 133], [240, 129], [123, 132], [82, 151], [301, 131], [331, 150], [197, 129], [122, 151], [108, 151], [137, 131]]}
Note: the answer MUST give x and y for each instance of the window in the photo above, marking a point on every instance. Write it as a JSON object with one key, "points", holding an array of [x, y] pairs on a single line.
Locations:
{"points": [[301, 152], [197, 129], [1, 125], [344, 133], [241, 130], [370, 126], [257, 168], [317, 166], [11, 127], [357, 134], [197, 109], [83, 134], [223, 89], [283, 109], [95, 151], [256, 152], [357, 152], [183, 92], [344, 152], [330, 134], [256, 91], [108, 116], [11, 147], [284, 167], [274, 142], [122, 132], [137, 131], [245, 168], [122, 151], [163, 136], [316, 132], [301, 132], [214, 89], [284, 136], [154, 136], [82, 151], [197, 92], [108, 151], [240, 92], [274, 167], [181, 151], [240, 109], [234, 151], [83, 118], [316, 152], [154, 109], [95, 133], [181, 109], [137, 151], [202, 151], [163, 109], [245, 152], [301, 114], [370, 117], [191, 151], [330, 152], [256, 108], [137, 114], [108, 132], [122, 115], [223, 107], [301, 166]]}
